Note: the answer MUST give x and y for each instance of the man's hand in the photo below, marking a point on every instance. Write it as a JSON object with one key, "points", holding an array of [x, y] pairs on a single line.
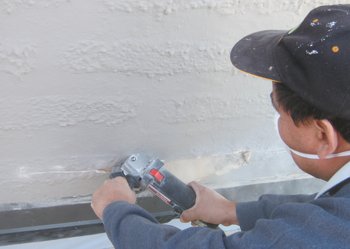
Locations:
{"points": [[112, 190], [210, 207]]}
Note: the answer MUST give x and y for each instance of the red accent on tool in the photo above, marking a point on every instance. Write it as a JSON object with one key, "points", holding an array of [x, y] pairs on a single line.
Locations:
{"points": [[157, 175]]}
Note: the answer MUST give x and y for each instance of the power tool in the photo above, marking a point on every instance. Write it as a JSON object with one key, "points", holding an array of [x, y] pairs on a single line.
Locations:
{"points": [[144, 172]]}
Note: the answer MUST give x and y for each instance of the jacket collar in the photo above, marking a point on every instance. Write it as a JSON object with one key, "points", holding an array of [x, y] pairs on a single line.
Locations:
{"points": [[340, 176]]}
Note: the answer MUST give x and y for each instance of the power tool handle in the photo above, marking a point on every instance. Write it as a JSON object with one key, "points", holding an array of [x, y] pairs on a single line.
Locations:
{"points": [[180, 193], [201, 223], [116, 174], [132, 181]]}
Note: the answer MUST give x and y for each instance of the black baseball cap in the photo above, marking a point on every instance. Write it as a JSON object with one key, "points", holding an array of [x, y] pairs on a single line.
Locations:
{"points": [[313, 59]]}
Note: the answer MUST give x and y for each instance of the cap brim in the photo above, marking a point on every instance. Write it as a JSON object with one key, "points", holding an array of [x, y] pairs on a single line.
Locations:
{"points": [[254, 54]]}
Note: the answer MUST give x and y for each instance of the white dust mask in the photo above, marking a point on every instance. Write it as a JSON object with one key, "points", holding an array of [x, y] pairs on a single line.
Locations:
{"points": [[306, 155]]}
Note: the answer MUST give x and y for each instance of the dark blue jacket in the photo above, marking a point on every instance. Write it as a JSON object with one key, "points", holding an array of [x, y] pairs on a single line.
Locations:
{"points": [[274, 221]]}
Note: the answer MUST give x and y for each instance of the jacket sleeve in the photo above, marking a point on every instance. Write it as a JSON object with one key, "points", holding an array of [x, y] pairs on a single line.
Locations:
{"points": [[131, 227], [249, 212], [292, 225]]}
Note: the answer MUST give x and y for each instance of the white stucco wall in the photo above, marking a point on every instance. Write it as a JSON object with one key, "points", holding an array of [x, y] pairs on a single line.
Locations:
{"points": [[84, 82]]}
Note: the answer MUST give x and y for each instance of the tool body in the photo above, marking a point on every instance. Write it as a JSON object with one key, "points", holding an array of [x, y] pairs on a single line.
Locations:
{"points": [[144, 172]]}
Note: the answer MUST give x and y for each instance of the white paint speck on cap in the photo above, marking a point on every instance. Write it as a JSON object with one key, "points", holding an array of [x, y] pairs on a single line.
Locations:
{"points": [[311, 52], [331, 24]]}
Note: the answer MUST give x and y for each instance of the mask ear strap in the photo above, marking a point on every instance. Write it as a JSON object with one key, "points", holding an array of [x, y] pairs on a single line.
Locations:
{"points": [[312, 156], [304, 155], [340, 154]]}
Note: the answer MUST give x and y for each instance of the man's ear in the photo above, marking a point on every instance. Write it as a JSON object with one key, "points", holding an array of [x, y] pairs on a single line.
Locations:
{"points": [[327, 137]]}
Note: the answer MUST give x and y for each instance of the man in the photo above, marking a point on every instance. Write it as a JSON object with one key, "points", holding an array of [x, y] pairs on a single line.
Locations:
{"points": [[310, 70]]}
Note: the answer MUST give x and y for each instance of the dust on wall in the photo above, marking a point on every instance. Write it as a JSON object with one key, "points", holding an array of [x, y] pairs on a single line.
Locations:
{"points": [[87, 82]]}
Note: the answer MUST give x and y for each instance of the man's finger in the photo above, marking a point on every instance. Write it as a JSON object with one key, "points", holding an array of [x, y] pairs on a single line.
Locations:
{"points": [[184, 217], [188, 215]]}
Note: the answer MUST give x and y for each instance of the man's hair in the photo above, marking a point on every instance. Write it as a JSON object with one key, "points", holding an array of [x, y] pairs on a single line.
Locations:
{"points": [[302, 112]]}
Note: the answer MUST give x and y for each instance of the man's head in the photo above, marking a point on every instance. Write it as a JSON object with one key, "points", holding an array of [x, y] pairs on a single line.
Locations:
{"points": [[310, 66], [311, 133], [302, 112]]}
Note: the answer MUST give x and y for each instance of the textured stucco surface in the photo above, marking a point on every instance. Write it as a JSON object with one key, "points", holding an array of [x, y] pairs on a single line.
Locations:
{"points": [[87, 82]]}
